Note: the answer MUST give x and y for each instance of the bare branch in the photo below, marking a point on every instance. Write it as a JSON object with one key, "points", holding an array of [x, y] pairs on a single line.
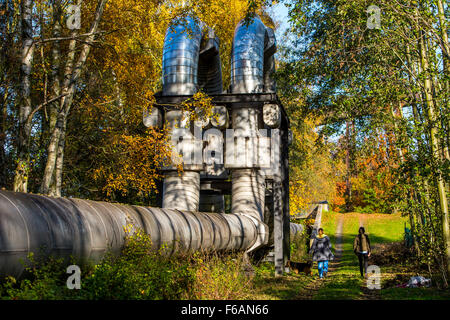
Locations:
{"points": [[36, 109]]}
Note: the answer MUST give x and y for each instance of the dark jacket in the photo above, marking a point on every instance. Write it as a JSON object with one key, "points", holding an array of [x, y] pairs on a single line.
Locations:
{"points": [[361, 243], [321, 249]]}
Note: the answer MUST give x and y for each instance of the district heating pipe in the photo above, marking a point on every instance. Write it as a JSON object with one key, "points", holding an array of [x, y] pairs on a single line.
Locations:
{"points": [[87, 229], [188, 65], [252, 68]]}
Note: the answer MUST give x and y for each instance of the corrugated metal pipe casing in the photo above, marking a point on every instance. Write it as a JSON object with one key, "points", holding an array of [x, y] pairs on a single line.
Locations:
{"points": [[187, 62], [295, 229], [181, 190], [247, 198], [247, 61], [87, 229], [248, 192], [180, 57]]}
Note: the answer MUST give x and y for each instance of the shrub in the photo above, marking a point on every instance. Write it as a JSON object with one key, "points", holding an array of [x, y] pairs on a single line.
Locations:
{"points": [[367, 209], [40, 282], [299, 247], [219, 277], [137, 273]]}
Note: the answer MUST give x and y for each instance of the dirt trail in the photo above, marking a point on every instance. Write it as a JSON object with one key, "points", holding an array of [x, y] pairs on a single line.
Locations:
{"points": [[362, 220], [311, 289], [338, 245]]}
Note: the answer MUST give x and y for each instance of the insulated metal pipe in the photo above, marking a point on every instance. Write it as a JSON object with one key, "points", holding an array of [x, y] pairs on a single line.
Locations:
{"points": [[248, 192], [180, 57], [181, 190], [180, 69], [187, 64], [252, 68], [247, 60], [247, 76], [86, 229]]}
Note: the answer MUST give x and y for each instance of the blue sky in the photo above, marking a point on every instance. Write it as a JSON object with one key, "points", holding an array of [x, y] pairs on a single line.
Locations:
{"points": [[280, 12]]}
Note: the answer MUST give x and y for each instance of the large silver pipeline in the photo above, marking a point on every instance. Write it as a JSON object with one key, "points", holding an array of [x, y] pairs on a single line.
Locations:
{"points": [[180, 57], [181, 190], [247, 60], [247, 76], [252, 68], [189, 64], [86, 229]]}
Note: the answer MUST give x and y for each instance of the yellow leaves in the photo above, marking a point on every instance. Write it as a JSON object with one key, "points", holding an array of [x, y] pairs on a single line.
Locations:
{"points": [[299, 197], [199, 106], [134, 162]]}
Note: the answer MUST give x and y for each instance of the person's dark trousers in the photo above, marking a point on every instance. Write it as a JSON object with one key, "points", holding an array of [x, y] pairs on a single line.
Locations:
{"points": [[363, 262]]}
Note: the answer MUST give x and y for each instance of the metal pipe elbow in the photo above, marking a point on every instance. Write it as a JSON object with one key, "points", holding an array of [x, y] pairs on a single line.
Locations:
{"points": [[252, 57], [191, 59]]}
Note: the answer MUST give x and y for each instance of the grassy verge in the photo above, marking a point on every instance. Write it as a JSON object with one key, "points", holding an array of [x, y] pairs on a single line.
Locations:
{"points": [[329, 224], [139, 273], [384, 228], [268, 287]]}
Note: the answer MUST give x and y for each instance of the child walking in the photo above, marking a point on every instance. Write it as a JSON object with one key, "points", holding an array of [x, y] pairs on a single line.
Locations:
{"points": [[321, 252]]}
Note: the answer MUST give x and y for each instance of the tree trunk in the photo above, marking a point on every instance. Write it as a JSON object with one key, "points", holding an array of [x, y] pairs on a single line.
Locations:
{"points": [[71, 76], [3, 129], [60, 161], [446, 68], [23, 140], [446, 62], [434, 143], [5, 84], [48, 176]]}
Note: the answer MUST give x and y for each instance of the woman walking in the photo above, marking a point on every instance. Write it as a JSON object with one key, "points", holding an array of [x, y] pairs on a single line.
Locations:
{"points": [[361, 247], [321, 252]]}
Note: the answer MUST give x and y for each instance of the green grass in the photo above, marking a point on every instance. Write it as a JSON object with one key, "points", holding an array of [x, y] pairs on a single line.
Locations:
{"points": [[385, 228], [268, 287], [414, 294], [343, 283], [329, 223]]}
